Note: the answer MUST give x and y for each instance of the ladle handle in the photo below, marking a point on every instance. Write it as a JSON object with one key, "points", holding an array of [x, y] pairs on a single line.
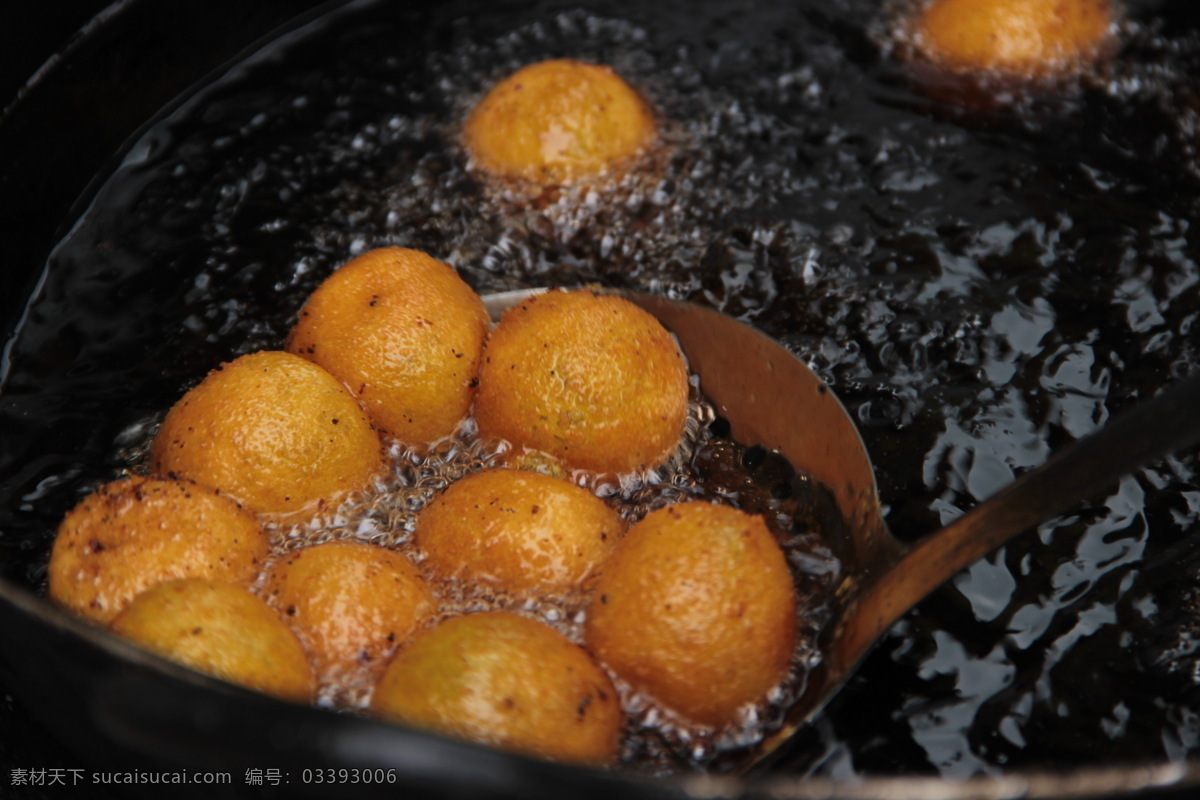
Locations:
{"points": [[1163, 425]]}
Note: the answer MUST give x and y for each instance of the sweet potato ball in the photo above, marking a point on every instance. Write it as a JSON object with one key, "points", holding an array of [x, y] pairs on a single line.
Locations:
{"points": [[518, 531], [131, 534], [696, 608], [404, 332], [591, 379], [223, 630], [272, 430], [1018, 37], [350, 603], [507, 681], [557, 120]]}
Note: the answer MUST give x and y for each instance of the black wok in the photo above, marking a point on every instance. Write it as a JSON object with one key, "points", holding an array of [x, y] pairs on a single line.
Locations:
{"points": [[80, 88]]}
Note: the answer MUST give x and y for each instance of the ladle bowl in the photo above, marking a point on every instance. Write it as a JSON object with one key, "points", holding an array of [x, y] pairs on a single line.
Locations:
{"points": [[770, 398]]}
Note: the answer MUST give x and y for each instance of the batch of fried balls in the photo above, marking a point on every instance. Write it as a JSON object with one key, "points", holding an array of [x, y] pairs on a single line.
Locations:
{"points": [[693, 606], [394, 343]]}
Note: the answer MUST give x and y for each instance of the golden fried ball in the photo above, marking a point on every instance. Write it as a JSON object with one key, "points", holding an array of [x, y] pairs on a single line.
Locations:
{"points": [[131, 534], [518, 531], [274, 431], [506, 681], [350, 603], [1019, 37], [405, 333], [557, 120], [223, 630], [696, 608], [591, 379]]}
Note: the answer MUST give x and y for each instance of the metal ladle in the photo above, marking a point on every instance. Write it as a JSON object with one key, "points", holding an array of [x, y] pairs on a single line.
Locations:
{"points": [[772, 399]]}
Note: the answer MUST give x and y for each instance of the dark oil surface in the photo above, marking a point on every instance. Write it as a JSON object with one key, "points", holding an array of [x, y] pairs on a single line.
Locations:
{"points": [[979, 287]]}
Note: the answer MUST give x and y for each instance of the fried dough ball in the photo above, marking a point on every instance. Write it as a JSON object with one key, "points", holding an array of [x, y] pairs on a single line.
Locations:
{"points": [[591, 379], [507, 681], [1018, 37], [518, 531], [131, 534], [351, 604], [405, 333], [272, 430], [696, 608], [557, 120], [223, 630]]}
